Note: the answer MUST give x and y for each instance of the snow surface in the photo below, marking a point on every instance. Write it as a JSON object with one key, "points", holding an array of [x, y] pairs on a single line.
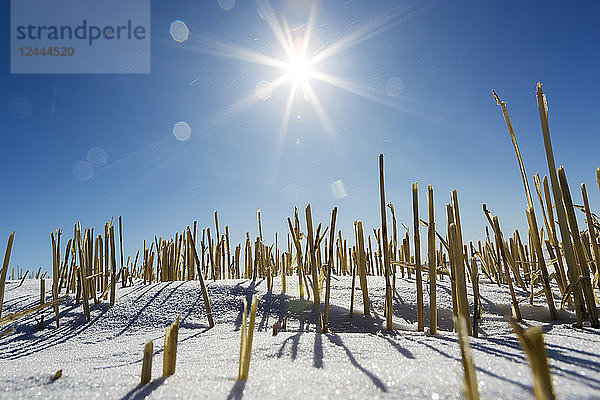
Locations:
{"points": [[357, 360]]}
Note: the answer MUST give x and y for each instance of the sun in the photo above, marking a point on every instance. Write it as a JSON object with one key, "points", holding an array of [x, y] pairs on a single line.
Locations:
{"points": [[301, 64], [298, 69]]}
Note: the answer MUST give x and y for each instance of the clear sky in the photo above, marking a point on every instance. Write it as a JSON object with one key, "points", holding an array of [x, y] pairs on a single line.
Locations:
{"points": [[419, 77]]}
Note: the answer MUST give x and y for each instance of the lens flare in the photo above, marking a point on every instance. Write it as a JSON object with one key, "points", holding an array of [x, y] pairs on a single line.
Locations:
{"points": [[182, 131], [179, 31]]}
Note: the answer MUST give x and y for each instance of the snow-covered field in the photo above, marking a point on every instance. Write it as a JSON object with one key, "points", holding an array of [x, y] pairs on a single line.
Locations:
{"points": [[357, 360]]}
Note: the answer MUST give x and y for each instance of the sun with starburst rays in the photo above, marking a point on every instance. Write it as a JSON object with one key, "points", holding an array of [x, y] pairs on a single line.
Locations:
{"points": [[299, 68]]}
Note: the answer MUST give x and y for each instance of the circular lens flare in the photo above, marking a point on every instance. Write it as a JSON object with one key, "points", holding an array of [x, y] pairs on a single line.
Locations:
{"points": [[182, 131], [179, 31]]}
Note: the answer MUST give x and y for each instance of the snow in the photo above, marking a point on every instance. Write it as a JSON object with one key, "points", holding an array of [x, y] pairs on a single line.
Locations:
{"points": [[359, 359]]}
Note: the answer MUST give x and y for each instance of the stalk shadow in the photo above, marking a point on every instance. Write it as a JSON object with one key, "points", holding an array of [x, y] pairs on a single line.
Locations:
{"points": [[318, 351], [237, 390], [148, 303], [337, 340], [478, 368], [28, 340], [295, 339], [248, 292], [408, 312], [143, 391], [553, 352]]}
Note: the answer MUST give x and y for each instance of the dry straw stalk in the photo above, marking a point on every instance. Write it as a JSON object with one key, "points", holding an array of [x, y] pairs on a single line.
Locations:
{"points": [[567, 246], [386, 254], [5, 268], [170, 349], [14, 316], [209, 315], [147, 363], [532, 342], [432, 261], [329, 268], [471, 390], [362, 267], [583, 272], [313, 264], [419, 280], [461, 285], [246, 339], [542, 264]]}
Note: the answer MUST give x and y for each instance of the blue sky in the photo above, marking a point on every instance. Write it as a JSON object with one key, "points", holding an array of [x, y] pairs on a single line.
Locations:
{"points": [[443, 129]]}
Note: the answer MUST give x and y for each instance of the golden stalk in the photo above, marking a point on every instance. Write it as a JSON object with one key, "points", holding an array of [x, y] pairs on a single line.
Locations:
{"points": [[394, 245], [419, 280], [502, 104], [567, 246], [7, 332], [471, 389], [432, 261], [313, 265], [284, 267], [520, 252], [461, 288], [542, 264], [246, 341], [296, 239], [106, 257], [386, 255], [538, 189], [362, 267], [329, 268], [42, 300], [147, 363], [476, 302], [592, 231], [513, 138], [209, 315], [55, 273], [170, 348], [499, 240], [14, 316], [82, 274], [551, 225], [269, 274], [532, 342], [276, 254], [5, 268], [121, 239], [244, 337], [584, 274], [353, 268], [513, 265], [461, 285], [451, 259], [113, 266]]}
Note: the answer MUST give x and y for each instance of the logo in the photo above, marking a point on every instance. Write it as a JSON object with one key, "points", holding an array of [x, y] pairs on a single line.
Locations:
{"points": [[80, 36]]}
